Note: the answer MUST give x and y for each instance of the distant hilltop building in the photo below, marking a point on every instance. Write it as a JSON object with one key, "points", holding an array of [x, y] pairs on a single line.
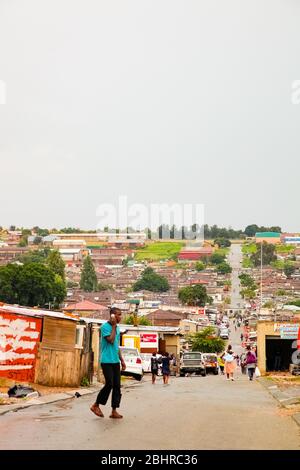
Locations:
{"points": [[195, 254], [269, 237], [290, 238], [108, 238]]}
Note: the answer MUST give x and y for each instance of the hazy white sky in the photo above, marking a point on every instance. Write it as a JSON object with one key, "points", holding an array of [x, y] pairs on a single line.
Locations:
{"points": [[165, 101]]}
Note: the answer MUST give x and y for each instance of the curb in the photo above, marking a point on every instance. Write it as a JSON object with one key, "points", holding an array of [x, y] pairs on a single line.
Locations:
{"points": [[282, 398], [47, 399], [52, 398]]}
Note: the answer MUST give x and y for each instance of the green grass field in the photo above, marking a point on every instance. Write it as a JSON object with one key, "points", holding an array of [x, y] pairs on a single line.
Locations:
{"points": [[157, 251], [249, 249]]}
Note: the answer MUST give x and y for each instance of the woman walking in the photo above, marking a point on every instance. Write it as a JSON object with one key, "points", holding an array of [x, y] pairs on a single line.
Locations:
{"points": [[229, 363], [166, 368], [250, 362], [154, 367]]}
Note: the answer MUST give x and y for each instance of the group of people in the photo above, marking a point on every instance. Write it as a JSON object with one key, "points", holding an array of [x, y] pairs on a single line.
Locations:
{"points": [[229, 360], [165, 363]]}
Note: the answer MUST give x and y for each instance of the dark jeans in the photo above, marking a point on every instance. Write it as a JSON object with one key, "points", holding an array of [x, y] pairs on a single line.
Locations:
{"points": [[251, 371], [112, 375]]}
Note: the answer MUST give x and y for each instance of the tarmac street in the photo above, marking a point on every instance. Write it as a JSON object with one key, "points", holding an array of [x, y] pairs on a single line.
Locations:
{"points": [[190, 413]]}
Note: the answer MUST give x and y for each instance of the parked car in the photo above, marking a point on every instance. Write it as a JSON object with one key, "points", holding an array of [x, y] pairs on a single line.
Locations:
{"points": [[224, 333], [192, 362], [211, 362], [146, 361], [133, 361]]}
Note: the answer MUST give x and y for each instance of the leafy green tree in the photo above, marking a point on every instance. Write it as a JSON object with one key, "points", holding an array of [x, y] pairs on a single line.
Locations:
{"points": [[151, 281], [248, 293], [143, 320], [224, 268], [88, 280], [31, 284], [217, 258], [56, 263], [199, 266], [251, 230], [222, 242], [8, 283], [247, 281], [102, 286], [23, 242], [36, 256], [281, 292], [194, 295], [72, 284], [289, 269], [268, 257], [206, 341]]}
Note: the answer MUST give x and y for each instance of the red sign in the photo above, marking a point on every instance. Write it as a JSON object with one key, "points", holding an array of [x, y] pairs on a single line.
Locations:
{"points": [[201, 311], [19, 338], [148, 337]]}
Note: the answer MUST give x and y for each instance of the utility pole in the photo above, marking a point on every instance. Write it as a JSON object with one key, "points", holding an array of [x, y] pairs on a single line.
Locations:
{"points": [[261, 273]]}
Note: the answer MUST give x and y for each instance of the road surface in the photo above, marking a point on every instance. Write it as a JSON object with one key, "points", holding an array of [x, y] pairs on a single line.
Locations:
{"points": [[234, 258], [190, 413]]}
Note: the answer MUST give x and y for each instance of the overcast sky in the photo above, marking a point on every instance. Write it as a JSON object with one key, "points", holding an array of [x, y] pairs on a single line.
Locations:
{"points": [[165, 101]]}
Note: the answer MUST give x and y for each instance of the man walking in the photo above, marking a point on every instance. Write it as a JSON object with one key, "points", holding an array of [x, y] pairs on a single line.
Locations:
{"points": [[110, 362]]}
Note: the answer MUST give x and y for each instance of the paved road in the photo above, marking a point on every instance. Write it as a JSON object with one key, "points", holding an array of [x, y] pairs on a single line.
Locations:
{"points": [[191, 413], [234, 258]]}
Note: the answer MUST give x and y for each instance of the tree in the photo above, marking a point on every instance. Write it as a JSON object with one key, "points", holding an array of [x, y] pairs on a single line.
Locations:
{"points": [[8, 283], [217, 258], [36, 256], [248, 293], [102, 286], [23, 242], [143, 320], [289, 269], [206, 341], [224, 268], [151, 281], [268, 257], [247, 281], [222, 242], [88, 280], [195, 295], [251, 230], [32, 284], [199, 266], [37, 240], [56, 263]]}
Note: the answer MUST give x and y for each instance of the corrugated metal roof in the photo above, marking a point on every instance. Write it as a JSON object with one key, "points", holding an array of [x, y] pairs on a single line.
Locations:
{"points": [[34, 312], [267, 235]]}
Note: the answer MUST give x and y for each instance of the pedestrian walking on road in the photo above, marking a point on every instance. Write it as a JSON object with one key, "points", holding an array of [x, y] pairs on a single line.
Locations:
{"points": [[250, 362], [110, 362], [154, 367], [221, 364], [166, 368], [229, 364], [242, 337]]}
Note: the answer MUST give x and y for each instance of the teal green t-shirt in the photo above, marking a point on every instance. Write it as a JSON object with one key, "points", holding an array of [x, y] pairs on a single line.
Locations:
{"points": [[109, 352]]}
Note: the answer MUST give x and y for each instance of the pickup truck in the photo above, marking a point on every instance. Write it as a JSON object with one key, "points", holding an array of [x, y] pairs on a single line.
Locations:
{"points": [[192, 362]]}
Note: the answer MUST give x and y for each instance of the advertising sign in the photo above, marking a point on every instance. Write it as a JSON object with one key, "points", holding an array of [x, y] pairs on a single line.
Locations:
{"points": [[149, 340], [289, 331]]}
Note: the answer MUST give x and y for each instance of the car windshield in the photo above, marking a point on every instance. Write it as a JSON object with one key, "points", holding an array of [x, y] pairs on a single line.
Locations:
{"points": [[192, 355], [210, 357]]}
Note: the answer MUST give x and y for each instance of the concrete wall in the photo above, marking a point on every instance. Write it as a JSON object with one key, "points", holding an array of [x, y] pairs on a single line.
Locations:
{"points": [[172, 343], [264, 329]]}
